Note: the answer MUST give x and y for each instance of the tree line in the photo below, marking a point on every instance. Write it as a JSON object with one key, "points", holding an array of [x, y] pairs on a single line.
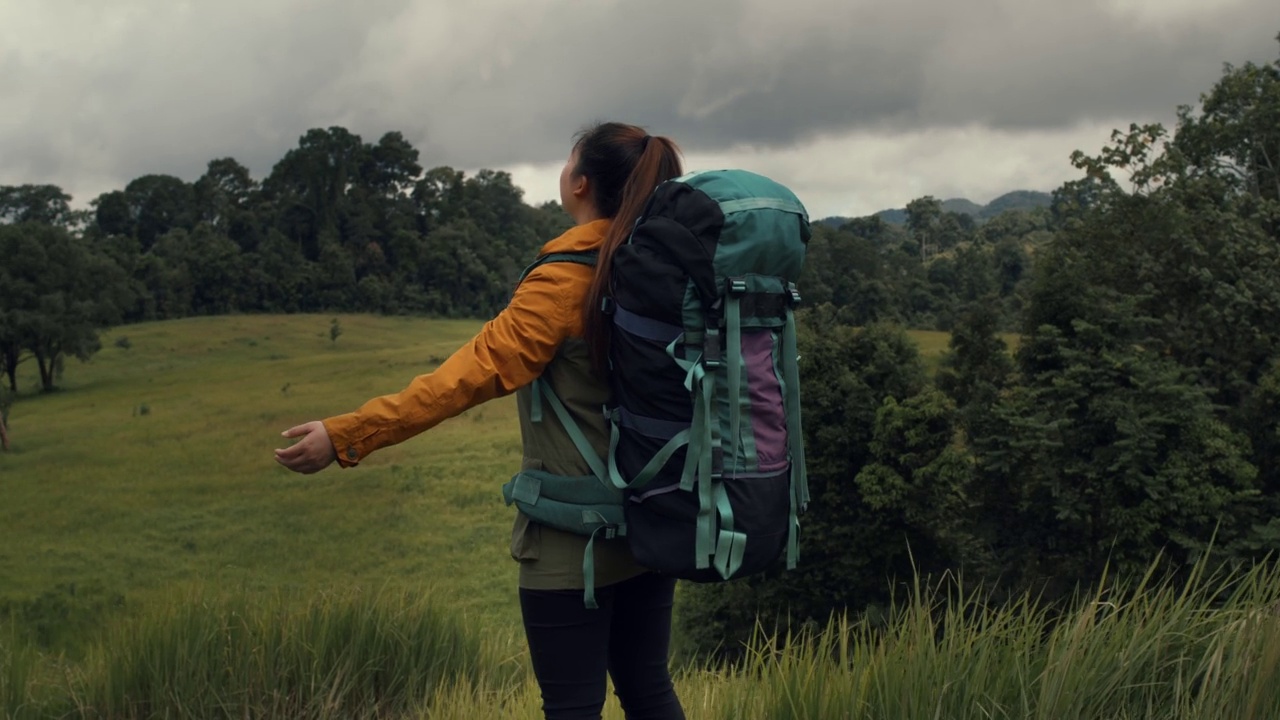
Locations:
{"points": [[338, 225], [348, 226]]}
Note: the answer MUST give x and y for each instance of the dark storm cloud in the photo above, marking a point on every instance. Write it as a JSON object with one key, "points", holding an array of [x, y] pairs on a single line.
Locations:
{"points": [[735, 72], [164, 87]]}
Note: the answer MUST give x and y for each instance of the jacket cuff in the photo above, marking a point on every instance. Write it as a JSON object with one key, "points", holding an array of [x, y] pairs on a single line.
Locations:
{"points": [[348, 448]]}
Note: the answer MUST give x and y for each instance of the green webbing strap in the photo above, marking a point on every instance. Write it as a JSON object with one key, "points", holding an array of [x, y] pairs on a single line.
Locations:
{"points": [[589, 568], [526, 489], [693, 373], [579, 440], [699, 435], [654, 465], [704, 545], [799, 478], [765, 203], [535, 401], [585, 257], [697, 463], [733, 356], [731, 545], [660, 459]]}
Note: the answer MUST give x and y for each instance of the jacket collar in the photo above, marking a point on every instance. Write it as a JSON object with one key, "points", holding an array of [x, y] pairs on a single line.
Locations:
{"points": [[588, 236]]}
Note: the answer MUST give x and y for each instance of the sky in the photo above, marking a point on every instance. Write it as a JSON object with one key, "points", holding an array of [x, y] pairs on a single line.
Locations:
{"points": [[857, 105]]}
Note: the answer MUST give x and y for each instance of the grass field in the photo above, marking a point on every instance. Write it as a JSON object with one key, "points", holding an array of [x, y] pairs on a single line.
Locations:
{"points": [[156, 562], [151, 468]]}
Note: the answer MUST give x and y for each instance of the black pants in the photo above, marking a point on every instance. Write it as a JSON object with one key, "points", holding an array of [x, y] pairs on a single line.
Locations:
{"points": [[628, 636]]}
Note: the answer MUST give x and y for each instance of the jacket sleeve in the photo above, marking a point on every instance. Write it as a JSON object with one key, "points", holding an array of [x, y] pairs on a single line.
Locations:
{"points": [[510, 351]]}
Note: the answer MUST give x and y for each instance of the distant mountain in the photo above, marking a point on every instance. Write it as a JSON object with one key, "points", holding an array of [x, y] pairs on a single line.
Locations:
{"points": [[962, 206], [1016, 200]]}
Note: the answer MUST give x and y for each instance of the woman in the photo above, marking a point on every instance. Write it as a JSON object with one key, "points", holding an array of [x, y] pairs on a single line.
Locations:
{"points": [[551, 329]]}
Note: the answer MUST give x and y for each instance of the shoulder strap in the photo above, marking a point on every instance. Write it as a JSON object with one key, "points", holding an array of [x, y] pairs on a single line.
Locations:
{"points": [[542, 389], [582, 257]]}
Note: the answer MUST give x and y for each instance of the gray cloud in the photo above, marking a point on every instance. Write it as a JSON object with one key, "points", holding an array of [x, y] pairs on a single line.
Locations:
{"points": [[104, 94]]}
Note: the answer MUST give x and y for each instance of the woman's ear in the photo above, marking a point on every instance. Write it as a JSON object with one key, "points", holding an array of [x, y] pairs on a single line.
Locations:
{"points": [[580, 187]]}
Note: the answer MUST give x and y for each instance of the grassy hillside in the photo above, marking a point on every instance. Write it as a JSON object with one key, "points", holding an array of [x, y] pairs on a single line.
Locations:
{"points": [[155, 562], [152, 467]]}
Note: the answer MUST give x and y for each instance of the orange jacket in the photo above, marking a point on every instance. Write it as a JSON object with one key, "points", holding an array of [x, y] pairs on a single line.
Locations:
{"points": [[510, 351]]}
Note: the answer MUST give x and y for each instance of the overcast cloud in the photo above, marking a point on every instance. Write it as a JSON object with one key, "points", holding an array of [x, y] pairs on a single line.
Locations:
{"points": [[858, 104]]}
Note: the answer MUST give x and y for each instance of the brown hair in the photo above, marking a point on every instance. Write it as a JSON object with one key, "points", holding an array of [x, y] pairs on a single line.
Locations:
{"points": [[624, 165]]}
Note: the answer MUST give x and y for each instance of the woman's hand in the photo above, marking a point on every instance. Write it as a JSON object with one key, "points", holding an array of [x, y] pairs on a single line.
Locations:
{"points": [[313, 453]]}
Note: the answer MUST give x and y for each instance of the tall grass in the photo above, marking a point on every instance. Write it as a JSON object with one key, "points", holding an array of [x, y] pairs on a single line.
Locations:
{"points": [[1204, 650], [18, 669], [1209, 649], [345, 655]]}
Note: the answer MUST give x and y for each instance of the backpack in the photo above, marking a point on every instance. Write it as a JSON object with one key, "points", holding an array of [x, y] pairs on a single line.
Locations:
{"points": [[705, 472]]}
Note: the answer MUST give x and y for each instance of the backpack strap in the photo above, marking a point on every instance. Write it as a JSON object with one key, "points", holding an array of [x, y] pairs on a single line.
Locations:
{"points": [[580, 257], [655, 464], [791, 395], [541, 390], [733, 356], [699, 466]]}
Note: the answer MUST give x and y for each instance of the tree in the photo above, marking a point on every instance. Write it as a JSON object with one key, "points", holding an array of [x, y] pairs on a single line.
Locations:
{"points": [[1103, 449], [977, 365], [113, 215], [201, 272], [224, 197], [62, 293], [6, 402], [152, 205], [916, 490], [12, 353], [13, 350], [1111, 458], [35, 203], [1237, 131], [923, 216], [308, 186]]}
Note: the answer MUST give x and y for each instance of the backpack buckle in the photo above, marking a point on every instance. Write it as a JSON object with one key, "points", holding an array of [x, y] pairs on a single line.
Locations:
{"points": [[607, 305], [711, 350], [737, 285], [794, 293]]}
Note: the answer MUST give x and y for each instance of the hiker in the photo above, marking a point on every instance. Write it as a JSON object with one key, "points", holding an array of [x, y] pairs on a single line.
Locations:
{"points": [[552, 329]]}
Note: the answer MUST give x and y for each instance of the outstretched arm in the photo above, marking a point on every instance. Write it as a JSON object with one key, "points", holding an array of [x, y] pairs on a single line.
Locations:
{"points": [[508, 353]]}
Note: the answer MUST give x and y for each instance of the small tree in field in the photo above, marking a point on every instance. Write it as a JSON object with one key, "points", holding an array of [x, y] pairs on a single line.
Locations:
{"points": [[6, 401]]}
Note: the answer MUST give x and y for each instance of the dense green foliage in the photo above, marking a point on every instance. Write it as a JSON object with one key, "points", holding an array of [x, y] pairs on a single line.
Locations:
{"points": [[1137, 417], [339, 224], [346, 226]]}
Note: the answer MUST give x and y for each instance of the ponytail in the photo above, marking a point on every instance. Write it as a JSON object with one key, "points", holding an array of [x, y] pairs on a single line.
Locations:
{"points": [[624, 165]]}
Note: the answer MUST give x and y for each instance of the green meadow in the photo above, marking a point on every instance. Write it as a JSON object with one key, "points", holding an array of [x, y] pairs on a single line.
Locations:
{"points": [[152, 468], [156, 562]]}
